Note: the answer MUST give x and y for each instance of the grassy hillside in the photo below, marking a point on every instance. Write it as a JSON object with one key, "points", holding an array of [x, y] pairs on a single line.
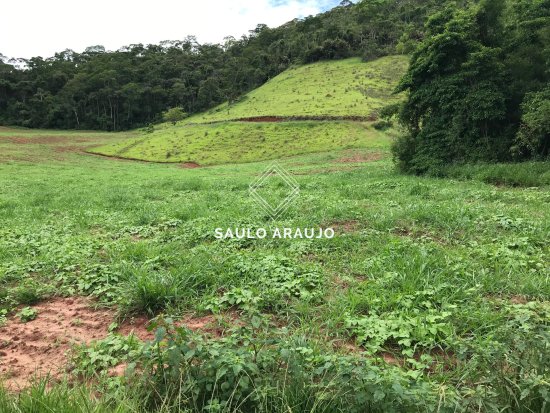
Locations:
{"points": [[229, 142], [334, 88], [346, 88]]}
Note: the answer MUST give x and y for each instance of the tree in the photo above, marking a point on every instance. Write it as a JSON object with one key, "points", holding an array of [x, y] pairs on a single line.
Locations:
{"points": [[174, 115], [464, 93], [533, 138]]}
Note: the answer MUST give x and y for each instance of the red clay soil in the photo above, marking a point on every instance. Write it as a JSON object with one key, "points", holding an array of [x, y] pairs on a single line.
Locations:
{"points": [[263, 119], [41, 347], [189, 165], [305, 118], [69, 148]]}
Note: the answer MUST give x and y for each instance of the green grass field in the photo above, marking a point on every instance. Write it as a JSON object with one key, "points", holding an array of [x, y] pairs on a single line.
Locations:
{"points": [[236, 142], [346, 88], [432, 296]]}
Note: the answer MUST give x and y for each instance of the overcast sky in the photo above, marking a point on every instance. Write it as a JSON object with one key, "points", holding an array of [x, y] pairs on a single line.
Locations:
{"points": [[42, 27]]}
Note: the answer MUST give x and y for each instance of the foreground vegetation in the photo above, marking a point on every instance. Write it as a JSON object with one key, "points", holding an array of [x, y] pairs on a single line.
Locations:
{"points": [[433, 296]]}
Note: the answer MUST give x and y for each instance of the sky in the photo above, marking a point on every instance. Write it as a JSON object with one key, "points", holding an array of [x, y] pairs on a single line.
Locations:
{"points": [[31, 28]]}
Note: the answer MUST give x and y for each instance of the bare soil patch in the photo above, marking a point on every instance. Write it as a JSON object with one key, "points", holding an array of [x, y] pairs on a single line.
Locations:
{"points": [[69, 148], [263, 119], [41, 347], [418, 234], [189, 165], [274, 118], [342, 227]]}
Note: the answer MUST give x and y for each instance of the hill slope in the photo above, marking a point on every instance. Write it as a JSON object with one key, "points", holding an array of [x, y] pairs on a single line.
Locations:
{"points": [[345, 88], [319, 93]]}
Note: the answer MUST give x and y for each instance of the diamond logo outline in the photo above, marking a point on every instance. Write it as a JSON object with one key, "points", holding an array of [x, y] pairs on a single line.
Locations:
{"points": [[274, 169]]}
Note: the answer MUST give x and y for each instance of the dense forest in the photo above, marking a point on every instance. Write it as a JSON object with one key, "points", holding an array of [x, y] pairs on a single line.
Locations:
{"points": [[478, 87], [131, 87]]}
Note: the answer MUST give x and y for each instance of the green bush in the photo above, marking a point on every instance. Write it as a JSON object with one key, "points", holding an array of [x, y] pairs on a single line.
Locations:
{"points": [[465, 85], [382, 124], [250, 370], [534, 135]]}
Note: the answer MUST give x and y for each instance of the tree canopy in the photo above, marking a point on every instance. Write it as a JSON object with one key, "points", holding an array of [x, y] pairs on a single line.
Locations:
{"points": [[133, 86], [480, 75]]}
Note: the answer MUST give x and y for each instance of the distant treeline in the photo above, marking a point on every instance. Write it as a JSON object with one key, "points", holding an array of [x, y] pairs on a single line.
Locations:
{"points": [[131, 87]]}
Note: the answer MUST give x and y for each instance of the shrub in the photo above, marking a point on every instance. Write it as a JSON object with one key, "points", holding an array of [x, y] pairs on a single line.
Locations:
{"points": [[465, 86], [382, 124], [250, 370], [329, 50], [533, 138], [174, 115]]}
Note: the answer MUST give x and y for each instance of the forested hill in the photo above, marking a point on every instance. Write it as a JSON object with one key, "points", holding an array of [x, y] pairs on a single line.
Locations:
{"points": [[130, 87]]}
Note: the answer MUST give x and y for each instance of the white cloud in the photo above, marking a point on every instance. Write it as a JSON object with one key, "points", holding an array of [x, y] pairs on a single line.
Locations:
{"points": [[41, 27]]}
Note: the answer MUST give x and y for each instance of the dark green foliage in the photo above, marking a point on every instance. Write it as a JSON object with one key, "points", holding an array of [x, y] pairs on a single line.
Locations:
{"points": [[389, 111], [250, 370], [131, 87], [534, 133], [467, 81], [382, 124], [329, 50]]}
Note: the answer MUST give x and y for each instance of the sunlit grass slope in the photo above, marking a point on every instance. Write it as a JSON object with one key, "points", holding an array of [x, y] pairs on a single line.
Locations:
{"points": [[323, 91], [234, 142], [347, 87]]}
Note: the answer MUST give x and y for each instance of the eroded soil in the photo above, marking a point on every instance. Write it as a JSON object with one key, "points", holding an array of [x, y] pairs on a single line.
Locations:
{"points": [[42, 347]]}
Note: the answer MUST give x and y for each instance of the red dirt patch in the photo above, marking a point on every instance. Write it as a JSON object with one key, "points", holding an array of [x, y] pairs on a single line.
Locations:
{"points": [[139, 326], [69, 148], [189, 165], [347, 346], [519, 299], [41, 347], [342, 227], [198, 323], [273, 118], [418, 234], [263, 119], [391, 359]]}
